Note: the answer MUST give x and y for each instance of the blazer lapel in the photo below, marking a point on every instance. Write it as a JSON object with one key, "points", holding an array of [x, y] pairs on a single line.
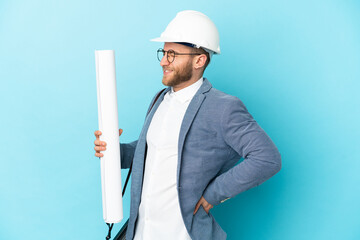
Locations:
{"points": [[190, 114]]}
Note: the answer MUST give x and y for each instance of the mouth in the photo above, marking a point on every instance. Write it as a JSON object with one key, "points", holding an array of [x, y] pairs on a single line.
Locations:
{"points": [[167, 71]]}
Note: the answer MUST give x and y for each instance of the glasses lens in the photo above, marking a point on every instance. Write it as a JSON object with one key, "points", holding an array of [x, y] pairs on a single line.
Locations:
{"points": [[170, 56], [160, 54]]}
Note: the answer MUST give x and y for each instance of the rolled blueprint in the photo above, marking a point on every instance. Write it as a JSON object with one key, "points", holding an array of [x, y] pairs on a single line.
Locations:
{"points": [[109, 126]]}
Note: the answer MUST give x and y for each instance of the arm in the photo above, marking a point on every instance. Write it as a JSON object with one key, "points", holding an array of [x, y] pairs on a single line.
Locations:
{"points": [[261, 157], [127, 151]]}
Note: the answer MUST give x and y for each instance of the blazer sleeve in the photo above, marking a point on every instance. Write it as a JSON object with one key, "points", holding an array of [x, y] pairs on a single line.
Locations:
{"points": [[127, 151], [261, 157]]}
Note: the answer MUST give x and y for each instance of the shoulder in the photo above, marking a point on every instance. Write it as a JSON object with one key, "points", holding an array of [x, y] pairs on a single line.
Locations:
{"points": [[223, 100]]}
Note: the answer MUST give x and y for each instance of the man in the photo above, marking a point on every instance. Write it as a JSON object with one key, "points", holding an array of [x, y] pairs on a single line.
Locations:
{"points": [[184, 161]]}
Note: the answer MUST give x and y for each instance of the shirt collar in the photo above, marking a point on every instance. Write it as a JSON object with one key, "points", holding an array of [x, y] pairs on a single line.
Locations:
{"points": [[186, 94]]}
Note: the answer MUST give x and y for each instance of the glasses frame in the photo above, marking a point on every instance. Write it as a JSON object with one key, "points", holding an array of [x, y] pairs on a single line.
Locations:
{"points": [[160, 50]]}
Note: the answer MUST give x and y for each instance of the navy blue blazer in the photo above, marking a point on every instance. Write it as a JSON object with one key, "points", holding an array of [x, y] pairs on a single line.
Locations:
{"points": [[217, 130]]}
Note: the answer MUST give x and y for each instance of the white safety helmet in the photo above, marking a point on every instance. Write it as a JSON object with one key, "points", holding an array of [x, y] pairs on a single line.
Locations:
{"points": [[192, 27]]}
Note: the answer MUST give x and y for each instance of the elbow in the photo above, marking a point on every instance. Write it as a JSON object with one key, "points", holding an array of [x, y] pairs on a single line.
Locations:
{"points": [[277, 163], [277, 168], [273, 165]]}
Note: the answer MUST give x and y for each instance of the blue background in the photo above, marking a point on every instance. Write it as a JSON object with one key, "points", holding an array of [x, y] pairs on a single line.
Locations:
{"points": [[295, 65]]}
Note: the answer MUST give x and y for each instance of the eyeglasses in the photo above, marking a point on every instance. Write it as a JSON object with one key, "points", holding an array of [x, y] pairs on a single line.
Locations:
{"points": [[171, 54]]}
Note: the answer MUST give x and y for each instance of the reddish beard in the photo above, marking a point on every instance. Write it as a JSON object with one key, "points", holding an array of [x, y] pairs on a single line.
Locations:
{"points": [[179, 75]]}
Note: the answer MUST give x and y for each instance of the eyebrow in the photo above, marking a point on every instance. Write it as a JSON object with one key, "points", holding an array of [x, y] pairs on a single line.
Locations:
{"points": [[170, 50]]}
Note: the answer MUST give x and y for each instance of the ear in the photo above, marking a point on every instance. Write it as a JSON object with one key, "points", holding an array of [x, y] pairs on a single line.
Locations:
{"points": [[199, 61]]}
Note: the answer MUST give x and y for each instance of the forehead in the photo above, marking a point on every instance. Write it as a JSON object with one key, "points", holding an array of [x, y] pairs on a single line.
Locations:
{"points": [[176, 47]]}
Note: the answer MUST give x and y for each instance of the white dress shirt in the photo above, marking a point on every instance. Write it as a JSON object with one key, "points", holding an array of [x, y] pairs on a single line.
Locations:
{"points": [[159, 211]]}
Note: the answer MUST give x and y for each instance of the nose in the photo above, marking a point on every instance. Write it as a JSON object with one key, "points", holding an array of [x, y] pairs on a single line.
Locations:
{"points": [[164, 61]]}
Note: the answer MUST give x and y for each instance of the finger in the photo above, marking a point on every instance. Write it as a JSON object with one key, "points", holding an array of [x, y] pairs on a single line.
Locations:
{"points": [[99, 154], [97, 134], [208, 207], [196, 207], [98, 149], [99, 143], [120, 131]]}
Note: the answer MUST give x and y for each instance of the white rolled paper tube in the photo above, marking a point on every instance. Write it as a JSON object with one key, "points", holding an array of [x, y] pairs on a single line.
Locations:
{"points": [[109, 126]]}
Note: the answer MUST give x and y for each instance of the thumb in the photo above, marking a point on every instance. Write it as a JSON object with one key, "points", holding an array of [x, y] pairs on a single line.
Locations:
{"points": [[197, 207]]}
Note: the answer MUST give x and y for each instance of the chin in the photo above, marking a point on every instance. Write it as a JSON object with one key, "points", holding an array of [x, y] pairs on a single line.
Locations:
{"points": [[167, 82]]}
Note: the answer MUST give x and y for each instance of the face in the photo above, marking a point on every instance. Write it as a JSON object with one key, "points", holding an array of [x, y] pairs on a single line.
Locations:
{"points": [[180, 70]]}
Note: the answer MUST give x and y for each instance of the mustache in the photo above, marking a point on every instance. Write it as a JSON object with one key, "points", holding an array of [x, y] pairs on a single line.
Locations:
{"points": [[167, 68]]}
